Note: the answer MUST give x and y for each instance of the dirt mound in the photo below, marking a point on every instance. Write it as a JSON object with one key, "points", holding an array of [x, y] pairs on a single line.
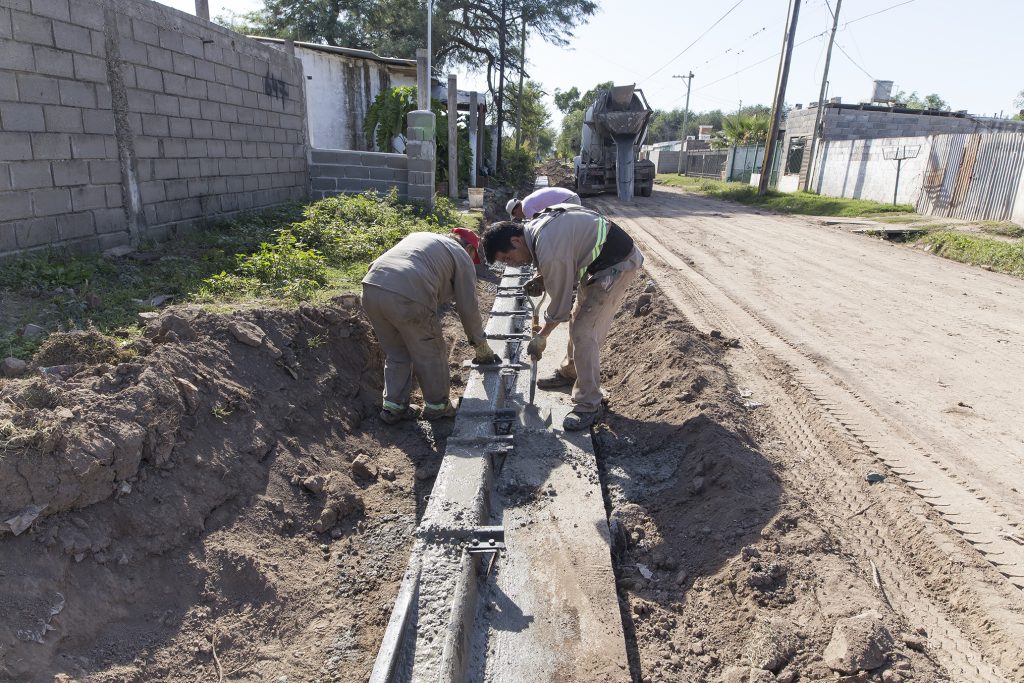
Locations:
{"points": [[723, 574], [196, 511], [559, 173]]}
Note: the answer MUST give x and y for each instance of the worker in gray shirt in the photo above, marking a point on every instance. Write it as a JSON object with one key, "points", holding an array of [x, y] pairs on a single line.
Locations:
{"points": [[401, 295], [571, 247], [532, 204]]}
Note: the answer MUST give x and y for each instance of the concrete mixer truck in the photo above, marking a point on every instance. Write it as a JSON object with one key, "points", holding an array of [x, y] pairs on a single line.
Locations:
{"points": [[614, 127]]}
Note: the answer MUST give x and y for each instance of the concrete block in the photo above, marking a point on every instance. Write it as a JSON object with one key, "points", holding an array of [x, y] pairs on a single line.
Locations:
{"points": [[146, 147], [89, 146], [30, 175], [170, 40], [15, 146], [89, 68], [86, 13], [104, 172], [88, 197], [74, 94], [8, 87], [152, 192], [54, 9], [21, 117], [168, 212], [63, 119], [53, 62], [195, 148], [115, 196], [72, 38], [201, 129], [188, 168], [51, 202], [164, 169], [103, 99], [51, 146], [233, 95], [155, 125], [176, 189], [36, 232], [159, 58], [240, 80], [39, 89], [148, 79], [180, 128], [196, 87], [192, 46], [205, 70], [74, 172], [15, 205], [198, 187], [210, 110], [188, 108], [5, 177], [109, 220], [174, 148], [6, 30], [183, 65], [174, 84], [385, 174], [75, 225], [141, 101], [145, 32], [113, 240], [234, 184], [29, 28], [99, 44], [167, 105]]}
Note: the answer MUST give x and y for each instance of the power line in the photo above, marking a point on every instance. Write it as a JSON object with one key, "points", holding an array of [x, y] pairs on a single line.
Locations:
{"points": [[892, 7], [708, 30], [852, 61], [769, 57]]}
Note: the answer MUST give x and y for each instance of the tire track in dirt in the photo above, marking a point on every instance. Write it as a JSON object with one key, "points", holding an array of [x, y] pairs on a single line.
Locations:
{"points": [[972, 618]]}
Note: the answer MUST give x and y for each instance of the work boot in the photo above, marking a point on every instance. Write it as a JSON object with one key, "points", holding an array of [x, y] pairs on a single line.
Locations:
{"points": [[432, 413], [555, 380], [393, 417], [577, 421]]}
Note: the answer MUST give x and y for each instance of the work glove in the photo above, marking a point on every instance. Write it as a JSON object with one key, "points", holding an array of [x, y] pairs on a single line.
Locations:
{"points": [[536, 346], [534, 287], [485, 356]]}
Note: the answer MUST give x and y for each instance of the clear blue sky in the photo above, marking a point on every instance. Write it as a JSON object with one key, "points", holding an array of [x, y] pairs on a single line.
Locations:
{"points": [[965, 52]]}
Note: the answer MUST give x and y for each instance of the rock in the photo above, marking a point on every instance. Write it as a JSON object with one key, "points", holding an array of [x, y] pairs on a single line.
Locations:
{"points": [[119, 251], [761, 676], [858, 643], [159, 300], [363, 468], [32, 331], [889, 676], [160, 329], [13, 367], [685, 398], [681, 577], [314, 484], [650, 287], [642, 301], [772, 644], [697, 647], [787, 676], [247, 333], [913, 642], [146, 317], [715, 334], [190, 392], [697, 485], [387, 473], [275, 352], [328, 518], [735, 674]]}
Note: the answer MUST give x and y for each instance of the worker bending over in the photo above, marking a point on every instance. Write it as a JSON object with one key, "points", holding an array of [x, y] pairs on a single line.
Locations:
{"points": [[571, 247], [532, 204], [401, 296]]}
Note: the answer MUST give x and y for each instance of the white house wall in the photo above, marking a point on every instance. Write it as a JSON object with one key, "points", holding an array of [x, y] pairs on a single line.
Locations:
{"points": [[857, 169], [339, 91]]}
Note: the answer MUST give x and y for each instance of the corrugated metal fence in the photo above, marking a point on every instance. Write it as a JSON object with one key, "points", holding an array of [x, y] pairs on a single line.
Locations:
{"points": [[973, 176]]}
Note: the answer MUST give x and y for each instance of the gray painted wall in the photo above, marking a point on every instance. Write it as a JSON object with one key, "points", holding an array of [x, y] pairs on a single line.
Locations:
{"points": [[341, 171], [122, 120]]}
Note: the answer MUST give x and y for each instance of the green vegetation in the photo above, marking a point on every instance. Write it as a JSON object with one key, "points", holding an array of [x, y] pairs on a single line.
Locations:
{"points": [[1002, 228], [804, 203], [997, 254], [278, 256]]}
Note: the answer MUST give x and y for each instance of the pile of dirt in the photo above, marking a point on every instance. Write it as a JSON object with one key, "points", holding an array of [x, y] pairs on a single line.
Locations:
{"points": [[223, 505], [559, 173], [723, 574]]}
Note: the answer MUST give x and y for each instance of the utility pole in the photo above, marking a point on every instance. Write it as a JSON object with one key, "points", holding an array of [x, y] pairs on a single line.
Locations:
{"points": [[522, 70], [780, 97], [499, 100], [821, 98], [686, 120], [424, 98]]}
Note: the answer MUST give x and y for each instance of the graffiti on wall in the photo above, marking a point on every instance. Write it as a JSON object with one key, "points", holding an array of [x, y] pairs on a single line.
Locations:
{"points": [[275, 87]]}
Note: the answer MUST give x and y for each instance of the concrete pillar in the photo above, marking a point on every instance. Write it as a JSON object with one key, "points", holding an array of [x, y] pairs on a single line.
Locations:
{"points": [[289, 47], [453, 138], [203, 9], [421, 150], [422, 81], [473, 128]]}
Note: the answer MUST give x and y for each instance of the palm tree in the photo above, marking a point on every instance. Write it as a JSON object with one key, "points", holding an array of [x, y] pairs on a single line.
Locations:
{"points": [[742, 129]]}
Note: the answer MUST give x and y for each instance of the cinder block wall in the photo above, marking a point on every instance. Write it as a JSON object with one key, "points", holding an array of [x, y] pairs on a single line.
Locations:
{"points": [[342, 171], [122, 120]]}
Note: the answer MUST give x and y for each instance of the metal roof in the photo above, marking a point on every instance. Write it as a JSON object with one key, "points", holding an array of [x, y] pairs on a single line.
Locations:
{"points": [[347, 51]]}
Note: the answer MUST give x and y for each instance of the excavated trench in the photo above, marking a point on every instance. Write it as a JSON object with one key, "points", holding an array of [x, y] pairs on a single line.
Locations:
{"points": [[227, 505]]}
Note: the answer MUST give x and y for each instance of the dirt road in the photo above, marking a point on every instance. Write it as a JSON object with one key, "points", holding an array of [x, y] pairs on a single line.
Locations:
{"points": [[874, 358]]}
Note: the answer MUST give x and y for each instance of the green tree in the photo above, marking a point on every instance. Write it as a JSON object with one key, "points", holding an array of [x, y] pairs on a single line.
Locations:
{"points": [[912, 101], [573, 105], [742, 129], [535, 117]]}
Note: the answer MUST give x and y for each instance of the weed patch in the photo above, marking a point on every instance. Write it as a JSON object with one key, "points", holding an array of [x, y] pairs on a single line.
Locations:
{"points": [[804, 203], [1001, 255]]}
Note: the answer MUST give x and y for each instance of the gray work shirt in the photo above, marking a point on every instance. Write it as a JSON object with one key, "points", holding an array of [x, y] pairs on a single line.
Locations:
{"points": [[431, 269]]}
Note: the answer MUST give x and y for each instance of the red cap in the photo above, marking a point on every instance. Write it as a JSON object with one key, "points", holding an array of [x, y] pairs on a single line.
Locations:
{"points": [[470, 238]]}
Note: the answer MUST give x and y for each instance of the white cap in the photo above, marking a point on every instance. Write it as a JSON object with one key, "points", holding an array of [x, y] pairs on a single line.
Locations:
{"points": [[511, 206]]}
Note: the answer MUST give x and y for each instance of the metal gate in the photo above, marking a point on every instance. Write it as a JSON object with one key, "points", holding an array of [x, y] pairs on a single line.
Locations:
{"points": [[973, 176]]}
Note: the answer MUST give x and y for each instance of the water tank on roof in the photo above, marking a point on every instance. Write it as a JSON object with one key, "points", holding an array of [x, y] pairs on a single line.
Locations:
{"points": [[882, 91]]}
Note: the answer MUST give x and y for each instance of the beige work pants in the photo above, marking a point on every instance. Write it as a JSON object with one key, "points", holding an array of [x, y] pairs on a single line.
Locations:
{"points": [[413, 343], [588, 327]]}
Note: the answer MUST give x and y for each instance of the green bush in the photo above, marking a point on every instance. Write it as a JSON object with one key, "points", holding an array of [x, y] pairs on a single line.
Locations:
{"points": [[1001, 255], [519, 167], [285, 267]]}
